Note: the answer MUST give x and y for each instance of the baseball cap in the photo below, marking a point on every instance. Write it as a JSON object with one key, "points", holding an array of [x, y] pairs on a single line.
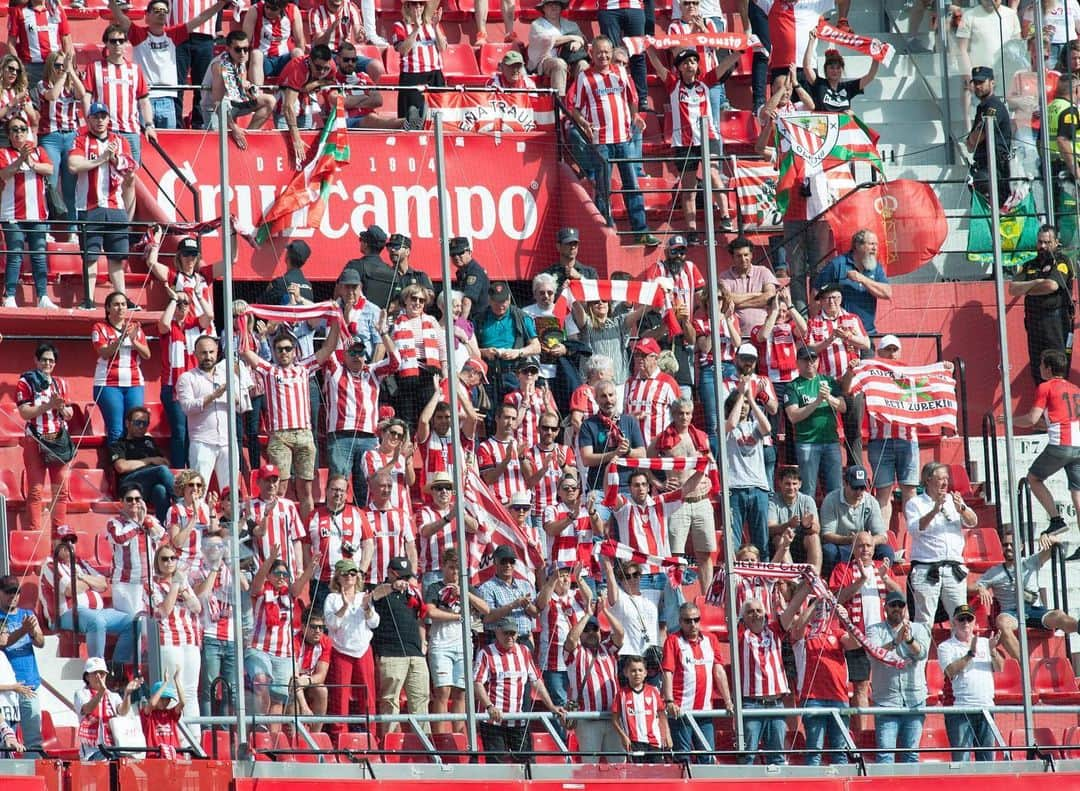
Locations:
{"points": [[95, 664], [349, 277], [529, 362], [507, 625], [400, 566], [97, 108], [746, 350], [504, 552], [978, 74], [963, 609], [344, 565], [887, 341], [855, 475], [399, 240], [167, 690], [805, 353], [459, 244], [828, 288], [684, 54], [374, 236], [499, 291], [267, 471], [513, 58], [188, 245], [647, 346], [678, 241], [894, 596], [566, 235], [299, 250]]}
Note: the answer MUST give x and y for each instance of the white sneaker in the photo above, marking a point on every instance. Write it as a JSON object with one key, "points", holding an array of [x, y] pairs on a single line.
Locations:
{"points": [[9, 302], [47, 304]]}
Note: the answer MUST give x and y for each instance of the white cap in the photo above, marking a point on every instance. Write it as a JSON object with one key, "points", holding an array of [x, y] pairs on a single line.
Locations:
{"points": [[95, 664], [887, 341], [746, 350], [522, 497]]}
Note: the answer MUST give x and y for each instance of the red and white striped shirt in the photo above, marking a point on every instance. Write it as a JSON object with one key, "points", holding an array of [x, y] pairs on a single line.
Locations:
{"points": [[778, 350], [216, 617], [352, 398], [691, 666], [57, 115], [118, 86], [688, 104], [345, 24], [420, 342], [310, 655], [540, 401], [762, 589], [392, 529], [616, 5], [834, 358], [130, 552], [703, 328], [181, 11], [178, 347], [36, 33], [275, 613], [48, 422], [87, 600], [102, 187], [593, 676], [328, 532], [178, 517], [584, 400], [123, 369], [437, 455], [649, 399], [552, 461], [425, 55], [761, 662], [504, 674], [283, 528], [1060, 401], [707, 58], [492, 451], [433, 546], [639, 713], [644, 527], [606, 100], [867, 606], [274, 36], [361, 84], [194, 284], [373, 460], [687, 280], [181, 626], [23, 194], [556, 621], [574, 543], [288, 399]]}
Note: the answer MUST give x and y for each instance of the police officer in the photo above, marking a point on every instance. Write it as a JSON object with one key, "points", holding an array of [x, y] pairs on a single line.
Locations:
{"points": [[1063, 129], [1046, 284], [990, 110], [376, 276], [399, 247], [469, 278]]}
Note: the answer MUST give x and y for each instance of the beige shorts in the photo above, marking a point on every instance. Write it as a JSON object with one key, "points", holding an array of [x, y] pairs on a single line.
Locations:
{"points": [[293, 448], [693, 519]]}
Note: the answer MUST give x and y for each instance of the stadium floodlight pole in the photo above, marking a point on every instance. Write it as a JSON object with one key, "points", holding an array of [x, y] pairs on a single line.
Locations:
{"points": [[713, 280], [455, 425], [1044, 127], [231, 389], [989, 131]]}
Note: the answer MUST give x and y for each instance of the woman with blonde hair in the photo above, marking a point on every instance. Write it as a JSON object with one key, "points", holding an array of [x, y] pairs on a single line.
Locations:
{"points": [[421, 346], [350, 619], [15, 92], [58, 98], [175, 606], [192, 516]]}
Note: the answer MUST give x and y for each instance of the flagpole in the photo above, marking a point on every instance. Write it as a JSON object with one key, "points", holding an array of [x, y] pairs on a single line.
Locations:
{"points": [[455, 424], [713, 279], [1044, 127], [231, 389], [990, 131]]}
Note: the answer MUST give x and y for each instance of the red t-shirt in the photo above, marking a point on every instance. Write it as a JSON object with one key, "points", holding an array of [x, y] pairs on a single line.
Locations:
{"points": [[160, 729], [821, 666]]}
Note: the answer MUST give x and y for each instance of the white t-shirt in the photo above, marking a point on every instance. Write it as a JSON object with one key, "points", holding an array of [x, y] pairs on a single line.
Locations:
{"points": [[641, 622], [943, 538], [1063, 17], [9, 701], [974, 685], [987, 32]]}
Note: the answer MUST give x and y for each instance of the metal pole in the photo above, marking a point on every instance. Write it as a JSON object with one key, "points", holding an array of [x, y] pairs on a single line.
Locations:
{"points": [[231, 387], [455, 425], [990, 130], [713, 280], [1044, 126], [946, 88]]}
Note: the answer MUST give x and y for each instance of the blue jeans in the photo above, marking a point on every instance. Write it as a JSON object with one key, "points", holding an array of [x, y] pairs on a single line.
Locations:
{"points": [[627, 22], [901, 731], [58, 145], [817, 727], [751, 505], [771, 729], [135, 141], [966, 731], [759, 74], [114, 402], [635, 203], [558, 686], [670, 598], [29, 236], [95, 624], [707, 393], [218, 661], [345, 451], [193, 57], [157, 484], [164, 110], [178, 439], [30, 720], [683, 740], [818, 459]]}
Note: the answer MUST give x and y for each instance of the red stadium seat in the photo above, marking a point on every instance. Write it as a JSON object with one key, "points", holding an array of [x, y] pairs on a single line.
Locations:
{"points": [[1071, 738], [358, 743], [960, 481], [1052, 680], [1007, 685], [86, 487], [12, 426], [449, 743], [934, 738], [11, 486], [739, 130], [545, 749], [982, 548], [216, 744], [1041, 737], [28, 549], [103, 553], [65, 260], [393, 66], [459, 60], [159, 423], [88, 426]]}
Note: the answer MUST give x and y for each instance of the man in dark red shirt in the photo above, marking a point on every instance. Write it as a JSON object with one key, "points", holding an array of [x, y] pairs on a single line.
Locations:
{"points": [[299, 80]]}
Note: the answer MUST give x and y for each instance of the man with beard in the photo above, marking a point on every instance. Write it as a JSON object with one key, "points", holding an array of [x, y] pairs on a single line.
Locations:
{"points": [[606, 436], [362, 104], [990, 110], [200, 391], [860, 278]]}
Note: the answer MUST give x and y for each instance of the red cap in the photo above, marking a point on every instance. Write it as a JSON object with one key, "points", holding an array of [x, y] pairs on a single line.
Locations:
{"points": [[224, 494], [267, 471], [478, 365], [647, 346], [386, 412]]}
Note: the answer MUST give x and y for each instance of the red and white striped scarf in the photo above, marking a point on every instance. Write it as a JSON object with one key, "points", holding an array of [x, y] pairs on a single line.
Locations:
{"points": [[666, 463], [791, 572], [294, 314], [634, 292], [636, 45]]}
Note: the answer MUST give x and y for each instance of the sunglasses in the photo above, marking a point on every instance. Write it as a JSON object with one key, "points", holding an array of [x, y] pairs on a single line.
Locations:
{"points": [[167, 558], [966, 619], [318, 627], [353, 573], [280, 573], [569, 488], [10, 591], [521, 508], [183, 302], [396, 434], [349, 60], [442, 488], [117, 41], [896, 605], [283, 349], [633, 575], [132, 499], [241, 49], [416, 299], [548, 428], [691, 620], [195, 485], [18, 129], [357, 353]]}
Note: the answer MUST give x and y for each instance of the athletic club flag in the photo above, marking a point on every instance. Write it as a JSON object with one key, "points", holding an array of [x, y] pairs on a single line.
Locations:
{"points": [[310, 188], [810, 143], [755, 187], [921, 396], [876, 48], [497, 524], [494, 111]]}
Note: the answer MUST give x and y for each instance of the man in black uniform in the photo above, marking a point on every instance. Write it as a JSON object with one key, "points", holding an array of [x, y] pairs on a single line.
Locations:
{"points": [[293, 287], [469, 278], [568, 267], [399, 247], [376, 275], [1046, 284], [990, 108]]}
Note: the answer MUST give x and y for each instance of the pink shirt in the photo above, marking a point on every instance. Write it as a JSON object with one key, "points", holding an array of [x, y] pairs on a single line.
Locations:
{"points": [[752, 283]]}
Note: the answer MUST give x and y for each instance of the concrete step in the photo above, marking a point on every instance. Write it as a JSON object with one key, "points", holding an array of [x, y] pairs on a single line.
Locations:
{"points": [[885, 114], [890, 87]]}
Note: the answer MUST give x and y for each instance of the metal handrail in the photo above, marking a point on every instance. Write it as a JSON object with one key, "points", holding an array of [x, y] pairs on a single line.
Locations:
{"points": [[992, 488], [1026, 510], [960, 374]]}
